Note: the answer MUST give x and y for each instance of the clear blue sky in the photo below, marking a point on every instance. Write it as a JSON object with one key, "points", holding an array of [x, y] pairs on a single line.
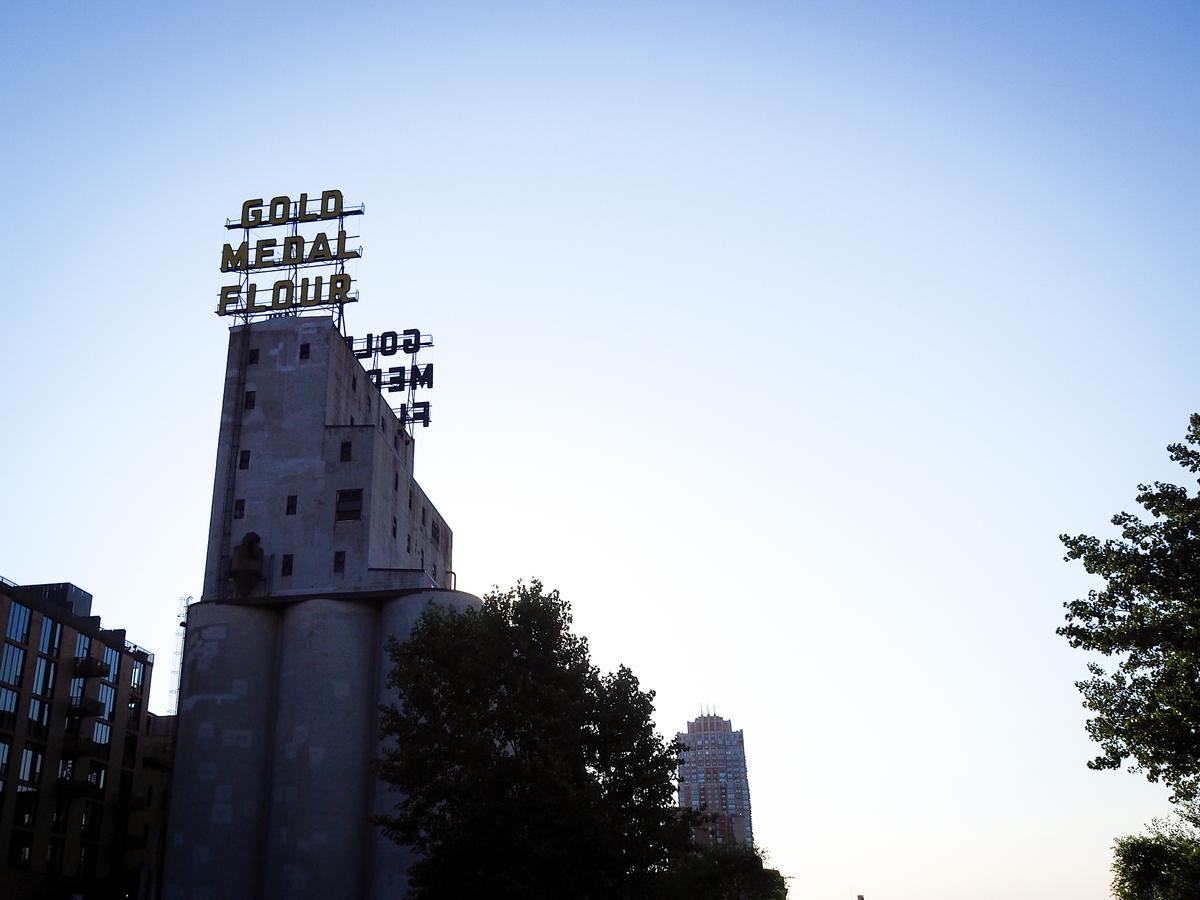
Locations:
{"points": [[783, 338]]}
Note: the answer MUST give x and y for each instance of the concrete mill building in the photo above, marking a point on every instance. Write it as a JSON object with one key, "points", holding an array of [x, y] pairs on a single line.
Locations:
{"points": [[321, 545]]}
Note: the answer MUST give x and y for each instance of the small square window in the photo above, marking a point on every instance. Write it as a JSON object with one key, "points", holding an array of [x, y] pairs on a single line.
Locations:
{"points": [[239, 509], [304, 351], [347, 451], [249, 404], [252, 359], [244, 459], [339, 561], [286, 569], [291, 505], [348, 506]]}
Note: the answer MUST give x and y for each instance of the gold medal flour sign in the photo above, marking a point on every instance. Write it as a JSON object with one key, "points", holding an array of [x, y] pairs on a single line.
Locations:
{"points": [[315, 264]]}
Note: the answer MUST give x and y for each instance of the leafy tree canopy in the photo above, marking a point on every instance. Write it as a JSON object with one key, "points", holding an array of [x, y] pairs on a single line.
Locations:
{"points": [[1147, 619], [722, 873], [1163, 865], [524, 771]]}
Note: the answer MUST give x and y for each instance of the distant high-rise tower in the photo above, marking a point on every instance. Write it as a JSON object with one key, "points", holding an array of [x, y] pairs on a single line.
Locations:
{"points": [[712, 779]]}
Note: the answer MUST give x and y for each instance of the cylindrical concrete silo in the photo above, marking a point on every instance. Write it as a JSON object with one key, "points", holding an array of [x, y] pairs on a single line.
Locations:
{"points": [[213, 846], [318, 828], [390, 861]]}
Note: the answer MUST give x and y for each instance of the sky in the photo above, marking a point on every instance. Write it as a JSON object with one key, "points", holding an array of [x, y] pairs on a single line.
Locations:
{"points": [[783, 338]]}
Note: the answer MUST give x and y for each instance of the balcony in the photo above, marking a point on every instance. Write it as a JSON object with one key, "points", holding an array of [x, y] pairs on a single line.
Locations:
{"points": [[76, 746], [70, 787], [90, 667], [82, 707], [132, 802]]}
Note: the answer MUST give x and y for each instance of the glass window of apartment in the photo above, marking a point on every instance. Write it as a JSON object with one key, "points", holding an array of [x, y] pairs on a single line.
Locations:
{"points": [[244, 459], [11, 663], [5, 752], [20, 851], [83, 645], [98, 774], [39, 718], [101, 734], [347, 452], [285, 568], [51, 638], [112, 656], [348, 506], [45, 673], [107, 697], [31, 769], [75, 689], [339, 561], [304, 351], [18, 623], [8, 709], [137, 675], [291, 505], [250, 399]]}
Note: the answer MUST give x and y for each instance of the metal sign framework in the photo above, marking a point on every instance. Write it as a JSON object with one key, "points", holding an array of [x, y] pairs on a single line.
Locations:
{"points": [[284, 212]]}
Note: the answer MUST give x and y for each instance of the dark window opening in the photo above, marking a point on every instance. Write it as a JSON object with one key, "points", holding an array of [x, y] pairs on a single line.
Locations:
{"points": [[348, 506], [239, 509], [252, 359], [410, 498], [287, 565], [304, 351], [396, 482], [393, 526], [408, 544], [422, 515], [437, 532], [347, 450], [244, 459], [339, 562], [249, 404], [291, 505], [422, 559]]}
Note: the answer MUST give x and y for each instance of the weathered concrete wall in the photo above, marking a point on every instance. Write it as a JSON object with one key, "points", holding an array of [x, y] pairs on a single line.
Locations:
{"points": [[327, 685], [219, 789], [304, 409], [390, 861], [273, 788]]}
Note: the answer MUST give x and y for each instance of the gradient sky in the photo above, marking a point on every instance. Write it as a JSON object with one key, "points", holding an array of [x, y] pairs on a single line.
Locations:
{"points": [[784, 339]]}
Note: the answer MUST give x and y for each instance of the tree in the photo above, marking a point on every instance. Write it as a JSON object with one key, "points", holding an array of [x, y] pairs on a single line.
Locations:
{"points": [[524, 771], [722, 873], [1147, 618], [1164, 865]]}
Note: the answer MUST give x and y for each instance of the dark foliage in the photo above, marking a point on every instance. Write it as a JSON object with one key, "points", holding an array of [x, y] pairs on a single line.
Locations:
{"points": [[722, 873], [525, 773], [1164, 865], [1147, 619]]}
